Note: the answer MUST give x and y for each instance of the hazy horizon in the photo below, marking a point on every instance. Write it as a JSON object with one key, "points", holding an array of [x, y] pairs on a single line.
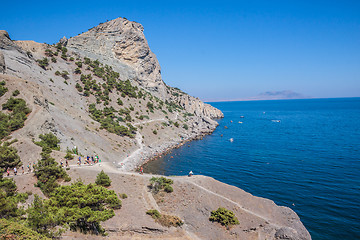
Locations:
{"points": [[232, 50]]}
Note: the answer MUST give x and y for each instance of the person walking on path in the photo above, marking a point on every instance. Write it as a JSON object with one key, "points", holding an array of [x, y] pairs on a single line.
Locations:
{"points": [[15, 171], [141, 170], [29, 168], [22, 168], [8, 171], [66, 163]]}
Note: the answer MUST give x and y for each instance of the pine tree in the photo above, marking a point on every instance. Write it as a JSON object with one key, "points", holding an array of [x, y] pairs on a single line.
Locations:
{"points": [[103, 179]]}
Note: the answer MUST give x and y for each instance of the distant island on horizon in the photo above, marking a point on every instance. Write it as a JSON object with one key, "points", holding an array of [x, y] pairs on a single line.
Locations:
{"points": [[269, 95]]}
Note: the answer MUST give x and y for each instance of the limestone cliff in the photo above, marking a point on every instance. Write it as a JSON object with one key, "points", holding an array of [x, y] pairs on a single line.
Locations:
{"points": [[121, 43]]}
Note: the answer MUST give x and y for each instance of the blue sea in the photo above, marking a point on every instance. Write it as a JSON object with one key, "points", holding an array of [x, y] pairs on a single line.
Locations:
{"points": [[309, 160]]}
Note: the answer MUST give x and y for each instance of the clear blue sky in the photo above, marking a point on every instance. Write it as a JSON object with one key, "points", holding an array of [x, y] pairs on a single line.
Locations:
{"points": [[221, 49]]}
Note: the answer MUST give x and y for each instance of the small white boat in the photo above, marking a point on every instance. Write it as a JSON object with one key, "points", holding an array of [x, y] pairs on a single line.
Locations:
{"points": [[276, 121], [240, 122], [231, 139], [241, 116]]}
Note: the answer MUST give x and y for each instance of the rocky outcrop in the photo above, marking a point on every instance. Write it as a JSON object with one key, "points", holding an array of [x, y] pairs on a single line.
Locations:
{"points": [[198, 107], [121, 44], [6, 43], [63, 41]]}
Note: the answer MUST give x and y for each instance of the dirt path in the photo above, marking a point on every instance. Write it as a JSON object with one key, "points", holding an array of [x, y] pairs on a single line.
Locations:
{"points": [[132, 159], [231, 201]]}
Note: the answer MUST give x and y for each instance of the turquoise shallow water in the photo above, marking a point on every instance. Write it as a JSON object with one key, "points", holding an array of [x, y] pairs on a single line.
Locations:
{"points": [[311, 158]]}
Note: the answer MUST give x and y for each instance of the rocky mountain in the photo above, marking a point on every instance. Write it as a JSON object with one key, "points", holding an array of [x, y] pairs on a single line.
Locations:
{"points": [[121, 44]]}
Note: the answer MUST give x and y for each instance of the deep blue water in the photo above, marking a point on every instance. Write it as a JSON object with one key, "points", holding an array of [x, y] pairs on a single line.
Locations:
{"points": [[310, 159]]}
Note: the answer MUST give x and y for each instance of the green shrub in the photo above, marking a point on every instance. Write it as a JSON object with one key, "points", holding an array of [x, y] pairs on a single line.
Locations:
{"points": [[79, 64], [81, 207], [106, 119], [3, 89], [15, 230], [49, 140], [69, 155], [48, 53], [87, 60], [155, 132], [15, 119], [57, 73], [15, 93], [8, 156], [78, 87], [120, 102], [150, 106], [154, 213], [185, 126], [103, 179], [123, 195], [176, 124], [224, 217], [168, 188], [9, 199], [53, 59], [43, 63], [48, 171], [65, 74], [77, 71], [160, 183]]}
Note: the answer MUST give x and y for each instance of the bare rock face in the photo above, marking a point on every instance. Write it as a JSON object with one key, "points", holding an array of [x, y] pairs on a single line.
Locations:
{"points": [[6, 43], [198, 107], [121, 44], [63, 41], [2, 63]]}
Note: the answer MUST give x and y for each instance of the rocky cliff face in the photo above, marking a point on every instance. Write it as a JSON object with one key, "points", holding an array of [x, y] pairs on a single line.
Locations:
{"points": [[121, 43]]}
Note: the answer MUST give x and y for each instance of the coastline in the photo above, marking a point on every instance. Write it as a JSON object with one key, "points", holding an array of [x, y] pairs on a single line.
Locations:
{"points": [[146, 154], [168, 150]]}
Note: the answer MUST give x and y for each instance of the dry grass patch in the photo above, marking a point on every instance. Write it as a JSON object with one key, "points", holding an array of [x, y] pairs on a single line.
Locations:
{"points": [[165, 220]]}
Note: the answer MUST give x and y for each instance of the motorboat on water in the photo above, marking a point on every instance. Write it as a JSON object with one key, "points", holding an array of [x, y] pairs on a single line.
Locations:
{"points": [[231, 139], [276, 121]]}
